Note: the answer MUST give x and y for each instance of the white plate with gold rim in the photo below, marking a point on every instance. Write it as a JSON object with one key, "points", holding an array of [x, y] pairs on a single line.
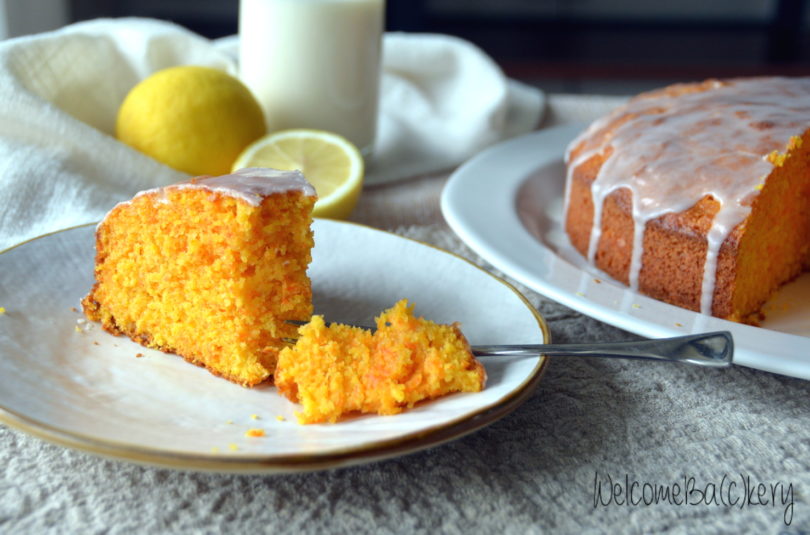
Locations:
{"points": [[507, 204], [69, 382]]}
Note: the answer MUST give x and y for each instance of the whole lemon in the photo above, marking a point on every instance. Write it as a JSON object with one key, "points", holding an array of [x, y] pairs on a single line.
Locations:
{"points": [[194, 119]]}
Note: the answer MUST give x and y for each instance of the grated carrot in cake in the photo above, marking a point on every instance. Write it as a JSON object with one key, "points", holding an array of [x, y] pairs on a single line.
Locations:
{"points": [[209, 269], [340, 369]]}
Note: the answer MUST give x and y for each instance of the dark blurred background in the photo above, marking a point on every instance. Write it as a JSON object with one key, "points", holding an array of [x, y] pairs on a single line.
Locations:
{"points": [[593, 46]]}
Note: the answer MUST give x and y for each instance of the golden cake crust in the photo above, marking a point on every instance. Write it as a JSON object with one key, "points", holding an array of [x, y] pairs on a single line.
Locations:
{"points": [[672, 265]]}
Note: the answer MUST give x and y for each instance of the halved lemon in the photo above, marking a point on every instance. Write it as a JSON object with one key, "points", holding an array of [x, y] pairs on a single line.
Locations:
{"points": [[330, 162]]}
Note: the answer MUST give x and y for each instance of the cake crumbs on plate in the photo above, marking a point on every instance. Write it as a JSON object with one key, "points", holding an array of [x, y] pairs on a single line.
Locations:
{"points": [[597, 281], [281, 418], [215, 449], [581, 294], [138, 355], [254, 432], [2, 310], [83, 326], [678, 324], [233, 447], [254, 416], [229, 422], [635, 305]]}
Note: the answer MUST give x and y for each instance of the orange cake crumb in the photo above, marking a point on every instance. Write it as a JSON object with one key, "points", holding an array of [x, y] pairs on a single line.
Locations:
{"points": [[209, 269], [254, 432], [340, 369]]}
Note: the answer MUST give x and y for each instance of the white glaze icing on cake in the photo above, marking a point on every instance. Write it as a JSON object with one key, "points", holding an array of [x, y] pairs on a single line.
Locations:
{"points": [[251, 185], [672, 151]]}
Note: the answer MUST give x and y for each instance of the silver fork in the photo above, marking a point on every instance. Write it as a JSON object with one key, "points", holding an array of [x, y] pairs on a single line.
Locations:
{"points": [[714, 349]]}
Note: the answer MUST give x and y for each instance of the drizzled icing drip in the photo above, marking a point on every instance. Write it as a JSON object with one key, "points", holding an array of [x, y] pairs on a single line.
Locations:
{"points": [[672, 148]]}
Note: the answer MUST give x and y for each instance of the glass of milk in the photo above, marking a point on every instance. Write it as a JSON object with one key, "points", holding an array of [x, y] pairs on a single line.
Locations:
{"points": [[314, 63]]}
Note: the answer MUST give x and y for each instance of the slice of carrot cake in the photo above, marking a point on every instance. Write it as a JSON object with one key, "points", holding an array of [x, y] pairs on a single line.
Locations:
{"points": [[210, 269]]}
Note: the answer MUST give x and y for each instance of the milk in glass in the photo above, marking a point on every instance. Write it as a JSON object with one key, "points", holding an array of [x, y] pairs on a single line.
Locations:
{"points": [[314, 63]]}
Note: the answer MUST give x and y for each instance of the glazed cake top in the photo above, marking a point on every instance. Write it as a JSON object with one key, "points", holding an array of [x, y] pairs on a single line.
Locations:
{"points": [[252, 184], [675, 146]]}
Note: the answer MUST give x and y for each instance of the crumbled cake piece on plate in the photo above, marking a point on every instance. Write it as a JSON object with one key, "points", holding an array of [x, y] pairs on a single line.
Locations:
{"points": [[341, 369]]}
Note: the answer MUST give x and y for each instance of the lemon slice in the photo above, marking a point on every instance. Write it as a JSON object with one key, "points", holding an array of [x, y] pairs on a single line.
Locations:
{"points": [[331, 163]]}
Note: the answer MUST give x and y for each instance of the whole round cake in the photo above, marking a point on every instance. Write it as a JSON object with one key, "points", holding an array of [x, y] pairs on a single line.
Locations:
{"points": [[698, 194]]}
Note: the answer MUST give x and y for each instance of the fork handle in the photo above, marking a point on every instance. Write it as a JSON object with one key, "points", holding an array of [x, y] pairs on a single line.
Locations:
{"points": [[715, 349]]}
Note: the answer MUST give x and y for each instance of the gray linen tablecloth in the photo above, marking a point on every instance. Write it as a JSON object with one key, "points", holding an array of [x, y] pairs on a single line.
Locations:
{"points": [[731, 446]]}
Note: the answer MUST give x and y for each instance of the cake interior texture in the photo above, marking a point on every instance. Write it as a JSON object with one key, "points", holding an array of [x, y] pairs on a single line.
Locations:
{"points": [[698, 194], [206, 275], [336, 369]]}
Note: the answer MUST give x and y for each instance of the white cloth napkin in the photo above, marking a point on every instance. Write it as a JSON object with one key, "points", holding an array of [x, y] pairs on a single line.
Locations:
{"points": [[443, 101]]}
